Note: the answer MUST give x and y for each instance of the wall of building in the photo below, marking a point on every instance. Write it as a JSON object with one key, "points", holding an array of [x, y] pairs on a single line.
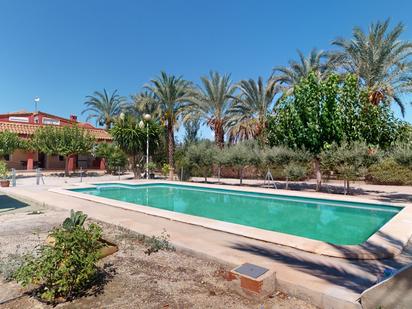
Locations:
{"points": [[18, 160]]}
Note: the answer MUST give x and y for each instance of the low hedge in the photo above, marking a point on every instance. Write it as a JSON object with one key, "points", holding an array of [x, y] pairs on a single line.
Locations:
{"points": [[389, 172]]}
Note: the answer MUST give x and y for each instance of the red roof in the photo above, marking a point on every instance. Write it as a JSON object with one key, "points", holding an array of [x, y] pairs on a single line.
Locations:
{"points": [[27, 129]]}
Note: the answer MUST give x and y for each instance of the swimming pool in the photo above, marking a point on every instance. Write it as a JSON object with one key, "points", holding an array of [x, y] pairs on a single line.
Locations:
{"points": [[335, 222]]}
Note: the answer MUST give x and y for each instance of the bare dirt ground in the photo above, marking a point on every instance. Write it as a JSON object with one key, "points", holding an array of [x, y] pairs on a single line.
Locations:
{"points": [[133, 279]]}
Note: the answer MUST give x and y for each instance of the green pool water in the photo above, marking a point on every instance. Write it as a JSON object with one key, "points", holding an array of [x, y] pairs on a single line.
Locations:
{"points": [[336, 222]]}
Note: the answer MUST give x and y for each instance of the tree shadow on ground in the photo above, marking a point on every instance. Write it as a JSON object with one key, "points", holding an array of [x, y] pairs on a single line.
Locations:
{"points": [[328, 268], [8, 203]]}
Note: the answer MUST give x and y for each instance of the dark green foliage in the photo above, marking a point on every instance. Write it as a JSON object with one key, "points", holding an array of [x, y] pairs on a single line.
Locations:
{"points": [[192, 127], [76, 219], [9, 142], [114, 156], [389, 172], [130, 137], [67, 267]]}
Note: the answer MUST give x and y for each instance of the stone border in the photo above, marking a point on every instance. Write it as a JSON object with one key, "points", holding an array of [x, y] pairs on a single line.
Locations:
{"points": [[387, 242]]}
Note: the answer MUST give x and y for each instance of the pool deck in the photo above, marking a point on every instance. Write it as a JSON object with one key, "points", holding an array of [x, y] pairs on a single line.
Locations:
{"points": [[327, 282], [388, 241]]}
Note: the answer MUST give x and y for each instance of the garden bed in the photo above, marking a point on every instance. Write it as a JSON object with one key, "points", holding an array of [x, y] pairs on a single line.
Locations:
{"points": [[133, 279]]}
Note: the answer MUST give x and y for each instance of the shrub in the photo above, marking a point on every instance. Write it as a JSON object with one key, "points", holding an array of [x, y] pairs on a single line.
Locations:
{"points": [[155, 244], [4, 171], [389, 172], [114, 156], [165, 169], [65, 268]]}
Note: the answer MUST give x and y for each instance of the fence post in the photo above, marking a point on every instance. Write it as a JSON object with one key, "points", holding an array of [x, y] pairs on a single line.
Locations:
{"points": [[13, 177], [81, 174], [37, 176]]}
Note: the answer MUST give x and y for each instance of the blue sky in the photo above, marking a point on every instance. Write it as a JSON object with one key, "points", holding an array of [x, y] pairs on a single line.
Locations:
{"points": [[62, 51]]}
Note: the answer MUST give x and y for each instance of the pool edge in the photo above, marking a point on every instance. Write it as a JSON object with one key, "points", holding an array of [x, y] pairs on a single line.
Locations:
{"points": [[387, 242]]}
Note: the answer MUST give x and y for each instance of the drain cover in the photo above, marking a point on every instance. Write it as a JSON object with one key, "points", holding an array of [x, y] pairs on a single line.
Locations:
{"points": [[251, 270]]}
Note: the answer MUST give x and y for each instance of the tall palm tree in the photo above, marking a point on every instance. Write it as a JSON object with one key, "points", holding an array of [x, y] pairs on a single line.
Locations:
{"points": [[145, 102], [248, 116], [380, 59], [171, 93], [211, 103], [104, 107], [287, 77]]}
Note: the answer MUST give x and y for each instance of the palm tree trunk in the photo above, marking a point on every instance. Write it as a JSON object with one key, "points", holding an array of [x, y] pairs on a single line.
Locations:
{"points": [[170, 140], [219, 136]]}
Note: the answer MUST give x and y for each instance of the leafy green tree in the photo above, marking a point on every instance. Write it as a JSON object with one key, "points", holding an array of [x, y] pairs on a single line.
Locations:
{"points": [[317, 62], [202, 156], [211, 103], [248, 115], [9, 142], [363, 121], [114, 156], [64, 141], [104, 107], [309, 118], [131, 139], [348, 161], [171, 93], [381, 60]]}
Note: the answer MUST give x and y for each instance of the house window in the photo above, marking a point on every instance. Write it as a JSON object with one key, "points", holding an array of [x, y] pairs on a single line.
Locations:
{"points": [[61, 158], [7, 157]]}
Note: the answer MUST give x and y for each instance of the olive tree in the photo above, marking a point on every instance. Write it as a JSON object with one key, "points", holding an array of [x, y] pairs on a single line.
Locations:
{"points": [[202, 156], [293, 162], [348, 161], [64, 141], [241, 155]]}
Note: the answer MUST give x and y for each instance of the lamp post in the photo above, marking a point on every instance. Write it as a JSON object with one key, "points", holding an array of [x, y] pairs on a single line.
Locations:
{"points": [[36, 101], [146, 118]]}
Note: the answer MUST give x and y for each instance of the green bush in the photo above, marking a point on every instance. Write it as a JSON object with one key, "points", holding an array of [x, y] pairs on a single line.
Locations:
{"points": [[389, 172], [165, 169], [66, 267], [114, 156], [4, 171]]}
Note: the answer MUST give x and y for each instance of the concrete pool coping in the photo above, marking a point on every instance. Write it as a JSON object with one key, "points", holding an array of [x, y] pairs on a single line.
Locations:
{"points": [[387, 242]]}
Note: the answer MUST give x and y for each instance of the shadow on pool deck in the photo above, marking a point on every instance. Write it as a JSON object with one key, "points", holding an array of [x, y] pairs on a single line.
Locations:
{"points": [[8, 203], [329, 269]]}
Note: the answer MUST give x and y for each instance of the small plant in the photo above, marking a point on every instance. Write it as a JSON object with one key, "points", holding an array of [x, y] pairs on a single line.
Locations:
{"points": [[4, 171], [156, 243], [9, 265], [165, 169], [65, 268], [151, 166], [76, 219]]}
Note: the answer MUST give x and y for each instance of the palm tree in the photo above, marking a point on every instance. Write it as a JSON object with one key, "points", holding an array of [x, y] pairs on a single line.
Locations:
{"points": [[104, 107], [211, 103], [248, 116], [171, 93], [318, 61], [145, 102], [380, 59]]}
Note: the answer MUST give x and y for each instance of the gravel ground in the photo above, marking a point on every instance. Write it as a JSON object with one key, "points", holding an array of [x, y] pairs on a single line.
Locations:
{"points": [[165, 279]]}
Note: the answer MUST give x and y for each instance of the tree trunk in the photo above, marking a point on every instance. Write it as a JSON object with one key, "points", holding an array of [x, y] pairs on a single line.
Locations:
{"points": [[66, 166], [135, 168], [219, 136], [218, 173], [318, 174], [241, 175], [170, 140], [287, 183], [346, 187]]}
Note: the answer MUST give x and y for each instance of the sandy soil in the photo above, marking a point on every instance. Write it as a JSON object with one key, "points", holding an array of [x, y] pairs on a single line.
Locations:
{"points": [[133, 279]]}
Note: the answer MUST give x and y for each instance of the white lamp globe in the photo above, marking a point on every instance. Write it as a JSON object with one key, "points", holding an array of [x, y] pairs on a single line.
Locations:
{"points": [[147, 117]]}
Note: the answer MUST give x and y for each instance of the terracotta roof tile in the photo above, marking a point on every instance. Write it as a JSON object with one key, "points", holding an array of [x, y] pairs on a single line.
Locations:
{"points": [[27, 129]]}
